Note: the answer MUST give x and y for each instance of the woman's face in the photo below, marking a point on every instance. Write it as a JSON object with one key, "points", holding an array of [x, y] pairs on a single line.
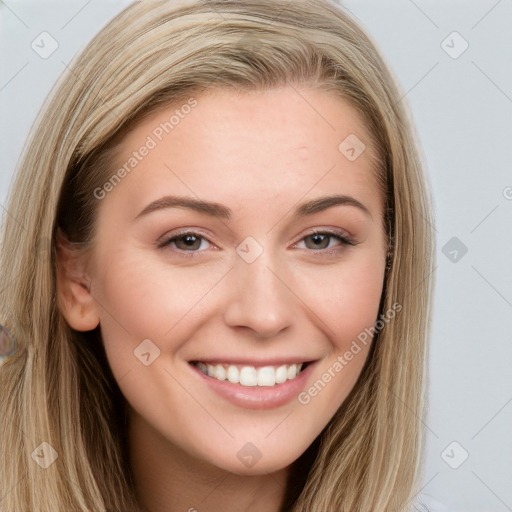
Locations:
{"points": [[205, 254]]}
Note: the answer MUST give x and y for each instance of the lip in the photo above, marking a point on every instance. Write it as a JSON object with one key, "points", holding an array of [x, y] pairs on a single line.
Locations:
{"points": [[257, 397], [253, 362]]}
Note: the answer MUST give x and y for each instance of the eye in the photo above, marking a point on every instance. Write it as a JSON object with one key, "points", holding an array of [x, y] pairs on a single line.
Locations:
{"points": [[187, 241], [191, 242], [320, 240]]}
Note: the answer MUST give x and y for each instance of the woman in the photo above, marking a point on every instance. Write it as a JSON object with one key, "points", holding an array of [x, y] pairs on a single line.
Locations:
{"points": [[235, 311]]}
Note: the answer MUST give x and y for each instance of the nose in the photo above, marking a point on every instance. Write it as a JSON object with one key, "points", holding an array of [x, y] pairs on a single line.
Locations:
{"points": [[259, 298]]}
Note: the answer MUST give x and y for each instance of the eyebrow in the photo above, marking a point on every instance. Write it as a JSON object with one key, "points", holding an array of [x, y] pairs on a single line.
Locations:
{"points": [[222, 212]]}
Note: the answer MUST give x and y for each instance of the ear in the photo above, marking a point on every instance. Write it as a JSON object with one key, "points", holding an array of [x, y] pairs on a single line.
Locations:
{"points": [[73, 287]]}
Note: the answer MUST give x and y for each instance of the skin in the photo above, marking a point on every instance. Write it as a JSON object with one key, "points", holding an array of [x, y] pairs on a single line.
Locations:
{"points": [[260, 154]]}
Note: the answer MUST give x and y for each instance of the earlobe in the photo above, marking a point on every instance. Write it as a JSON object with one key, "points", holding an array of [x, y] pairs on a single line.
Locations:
{"points": [[75, 301]]}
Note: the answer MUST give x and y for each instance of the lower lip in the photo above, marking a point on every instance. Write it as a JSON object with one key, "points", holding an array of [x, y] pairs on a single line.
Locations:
{"points": [[258, 397]]}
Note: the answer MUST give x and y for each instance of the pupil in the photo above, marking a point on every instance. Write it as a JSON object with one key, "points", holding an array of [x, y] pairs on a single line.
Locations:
{"points": [[319, 240], [189, 241]]}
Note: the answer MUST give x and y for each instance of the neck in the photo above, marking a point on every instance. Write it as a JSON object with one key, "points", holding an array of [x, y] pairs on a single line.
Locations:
{"points": [[168, 479]]}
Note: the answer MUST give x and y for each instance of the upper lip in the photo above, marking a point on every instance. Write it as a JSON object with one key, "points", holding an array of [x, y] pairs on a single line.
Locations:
{"points": [[277, 361]]}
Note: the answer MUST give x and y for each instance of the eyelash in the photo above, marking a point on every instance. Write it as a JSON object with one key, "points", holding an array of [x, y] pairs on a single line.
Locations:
{"points": [[320, 252]]}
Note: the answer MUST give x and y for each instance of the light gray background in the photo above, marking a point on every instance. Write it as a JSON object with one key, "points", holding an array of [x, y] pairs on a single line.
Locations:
{"points": [[462, 108]]}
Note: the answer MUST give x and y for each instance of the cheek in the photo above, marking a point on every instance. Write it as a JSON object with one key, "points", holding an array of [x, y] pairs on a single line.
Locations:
{"points": [[153, 301], [356, 303], [347, 303], [346, 297]]}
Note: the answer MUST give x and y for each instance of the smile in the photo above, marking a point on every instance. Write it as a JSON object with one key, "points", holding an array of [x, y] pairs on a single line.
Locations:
{"points": [[250, 376]]}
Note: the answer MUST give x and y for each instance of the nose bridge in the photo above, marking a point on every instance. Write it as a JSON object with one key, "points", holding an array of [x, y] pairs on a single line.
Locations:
{"points": [[257, 296]]}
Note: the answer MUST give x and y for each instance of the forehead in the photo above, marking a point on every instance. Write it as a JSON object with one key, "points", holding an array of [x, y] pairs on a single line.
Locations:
{"points": [[249, 148]]}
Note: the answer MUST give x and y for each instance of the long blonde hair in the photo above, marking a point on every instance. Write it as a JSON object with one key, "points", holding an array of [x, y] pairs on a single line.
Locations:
{"points": [[58, 387]]}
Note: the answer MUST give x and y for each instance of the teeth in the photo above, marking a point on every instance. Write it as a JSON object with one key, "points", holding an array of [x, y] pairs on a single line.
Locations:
{"points": [[281, 374], [233, 374], [219, 372], [266, 376], [249, 375], [292, 371]]}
